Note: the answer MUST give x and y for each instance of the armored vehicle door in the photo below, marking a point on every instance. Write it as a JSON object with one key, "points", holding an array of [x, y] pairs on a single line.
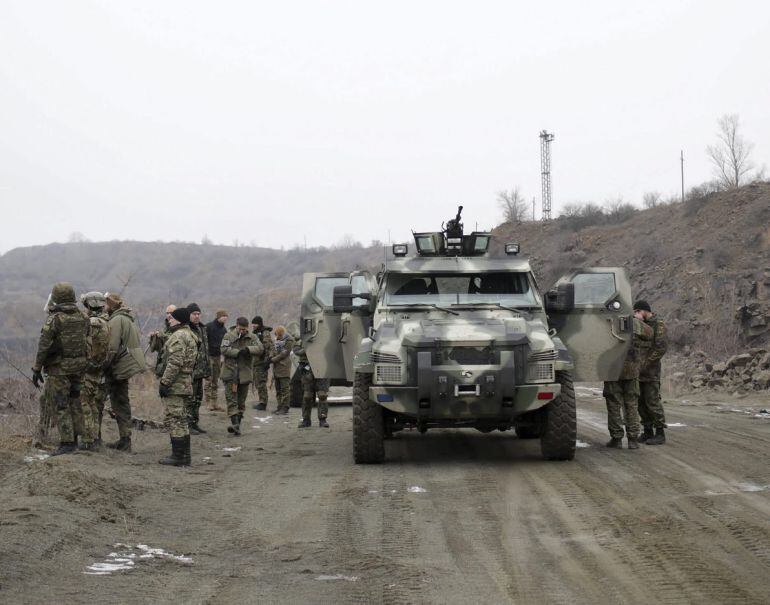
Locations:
{"points": [[591, 310], [331, 339]]}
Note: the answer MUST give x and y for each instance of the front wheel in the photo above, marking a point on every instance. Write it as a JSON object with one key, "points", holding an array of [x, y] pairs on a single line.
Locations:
{"points": [[368, 425], [557, 442]]}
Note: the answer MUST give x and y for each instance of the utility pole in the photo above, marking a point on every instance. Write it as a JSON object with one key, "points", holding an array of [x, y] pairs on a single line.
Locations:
{"points": [[545, 171], [681, 159]]}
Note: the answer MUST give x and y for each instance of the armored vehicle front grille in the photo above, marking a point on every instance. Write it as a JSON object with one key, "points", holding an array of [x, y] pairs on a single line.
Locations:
{"points": [[540, 372], [385, 358], [388, 373], [471, 356], [542, 356]]}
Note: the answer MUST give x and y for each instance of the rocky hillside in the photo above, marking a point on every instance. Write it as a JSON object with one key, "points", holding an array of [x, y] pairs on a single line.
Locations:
{"points": [[704, 265]]}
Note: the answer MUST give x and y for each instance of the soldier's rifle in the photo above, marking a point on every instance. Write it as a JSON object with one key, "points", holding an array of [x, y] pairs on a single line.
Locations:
{"points": [[17, 368]]}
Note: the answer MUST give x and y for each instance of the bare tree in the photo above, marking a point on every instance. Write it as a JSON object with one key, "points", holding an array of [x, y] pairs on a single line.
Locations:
{"points": [[651, 199], [515, 208], [731, 156]]}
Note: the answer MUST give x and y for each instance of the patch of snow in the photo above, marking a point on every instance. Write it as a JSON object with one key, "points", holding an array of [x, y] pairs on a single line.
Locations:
{"points": [[338, 576], [230, 449], [751, 487], [340, 398], [125, 560], [675, 424], [579, 443], [761, 415], [372, 491], [36, 457], [261, 419], [416, 489]]}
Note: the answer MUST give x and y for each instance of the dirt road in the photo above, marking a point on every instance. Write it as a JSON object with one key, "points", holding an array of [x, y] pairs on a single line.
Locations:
{"points": [[453, 517]]}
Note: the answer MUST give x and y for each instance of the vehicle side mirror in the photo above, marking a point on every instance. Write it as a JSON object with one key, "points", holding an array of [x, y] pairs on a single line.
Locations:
{"points": [[560, 299], [342, 299]]}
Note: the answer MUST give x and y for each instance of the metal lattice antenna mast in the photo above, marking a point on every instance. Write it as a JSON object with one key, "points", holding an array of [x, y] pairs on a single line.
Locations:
{"points": [[545, 171]]}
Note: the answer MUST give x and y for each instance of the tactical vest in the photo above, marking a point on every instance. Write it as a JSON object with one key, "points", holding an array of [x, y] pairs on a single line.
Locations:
{"points": [[72, 334]]}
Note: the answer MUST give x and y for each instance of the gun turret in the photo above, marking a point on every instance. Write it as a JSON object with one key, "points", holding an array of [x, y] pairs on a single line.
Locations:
{"points": [[454, 228]]}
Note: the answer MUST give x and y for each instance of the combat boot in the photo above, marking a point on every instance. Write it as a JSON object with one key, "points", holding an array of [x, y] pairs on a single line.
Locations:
{"points": [[177, 453], [122, 445], [646, 434], [65, 447], [633, 444], [658, 439], [235, 425], [196, 430], [304, 423], [615, 442], [261, 407], [322, 423], [185, 451]]}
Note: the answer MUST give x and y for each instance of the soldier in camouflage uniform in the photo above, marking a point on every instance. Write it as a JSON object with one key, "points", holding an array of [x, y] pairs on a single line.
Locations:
{"points": [[125, 359], [650, 403], [622, 395], [311, 386], [158, 340], [94, 388], [61, 353], [282, 368], [239, 348], [262, 361], [180, 353], [202, 369]]}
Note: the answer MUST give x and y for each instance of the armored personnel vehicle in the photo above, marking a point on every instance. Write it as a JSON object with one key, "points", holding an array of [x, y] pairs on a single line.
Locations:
{"points": [[449, 335]]}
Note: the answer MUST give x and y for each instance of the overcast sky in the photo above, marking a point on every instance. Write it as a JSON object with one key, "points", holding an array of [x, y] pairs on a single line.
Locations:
{"points": [[275, 122]]}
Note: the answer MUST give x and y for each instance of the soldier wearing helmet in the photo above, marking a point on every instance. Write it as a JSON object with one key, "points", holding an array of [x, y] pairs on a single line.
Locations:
{"points": [[94, 385], [61, 355]]}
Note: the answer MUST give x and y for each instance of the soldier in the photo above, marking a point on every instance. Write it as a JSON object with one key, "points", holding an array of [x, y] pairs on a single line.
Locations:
{"points": [[215, 332], [650, 404], [94, 389], [311, 386], [158, 340], [282, 368], [262, 361], [61, 352], [202, 369], [239, 348], [180, 353], [125, 359], [622, 395]]}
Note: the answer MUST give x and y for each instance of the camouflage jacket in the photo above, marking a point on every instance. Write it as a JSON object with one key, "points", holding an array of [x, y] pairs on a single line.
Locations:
{"points": [[125, 357], [238, 366], [634, 357], [62, 345], [157, 344], [98, 342], [202, 362], [262, 361], [179, 354], [653, 350], [281, 360]]}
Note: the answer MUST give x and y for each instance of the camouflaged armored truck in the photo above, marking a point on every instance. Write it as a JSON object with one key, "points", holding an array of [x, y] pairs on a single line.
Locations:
{"points": [[447, 335]]}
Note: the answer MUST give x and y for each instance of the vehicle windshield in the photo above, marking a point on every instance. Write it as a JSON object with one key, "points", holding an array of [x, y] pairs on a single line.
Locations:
{"points": [[511, 289]]}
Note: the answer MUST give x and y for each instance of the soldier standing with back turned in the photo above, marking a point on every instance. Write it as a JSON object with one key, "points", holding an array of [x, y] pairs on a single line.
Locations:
{"points": [[650, 404], [61, 353], [215, 332], [94, 388], [311, 386]]}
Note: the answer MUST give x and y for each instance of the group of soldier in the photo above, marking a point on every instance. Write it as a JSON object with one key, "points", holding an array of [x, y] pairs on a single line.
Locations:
{"points": [[636, 393], [90, 354]]}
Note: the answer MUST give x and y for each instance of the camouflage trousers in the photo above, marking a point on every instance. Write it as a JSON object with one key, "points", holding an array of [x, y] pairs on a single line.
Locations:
{"points": [[312, 386], [193, 402], [63, 391], [235, 395], [120, 404], [260, 383], [175, 418], [622, 398], [212, 384], [282, 390], [92, 403], [651, 405]]}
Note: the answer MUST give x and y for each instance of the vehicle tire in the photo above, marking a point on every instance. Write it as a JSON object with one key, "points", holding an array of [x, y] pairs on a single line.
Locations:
{"points": [[368, 425], [560, 422]]}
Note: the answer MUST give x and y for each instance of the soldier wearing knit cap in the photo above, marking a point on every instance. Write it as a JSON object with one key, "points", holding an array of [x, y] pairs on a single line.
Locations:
{"points": [[215, 332], [202, 369]]}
